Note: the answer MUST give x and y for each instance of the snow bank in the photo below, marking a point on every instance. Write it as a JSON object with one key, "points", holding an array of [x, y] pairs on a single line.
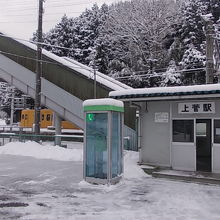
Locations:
{"points": [[38, 151], [33, 149], [131, 169]]}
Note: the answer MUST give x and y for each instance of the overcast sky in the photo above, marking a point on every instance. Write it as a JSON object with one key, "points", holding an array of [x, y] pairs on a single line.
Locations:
{"points": [[19, 17]]}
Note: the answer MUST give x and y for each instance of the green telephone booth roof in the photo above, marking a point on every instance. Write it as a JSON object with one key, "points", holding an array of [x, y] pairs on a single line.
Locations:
{"points": [[107, 104]]}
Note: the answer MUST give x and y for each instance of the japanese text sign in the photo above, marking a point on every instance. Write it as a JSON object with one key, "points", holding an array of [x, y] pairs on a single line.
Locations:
{"points": [[196, 107]]}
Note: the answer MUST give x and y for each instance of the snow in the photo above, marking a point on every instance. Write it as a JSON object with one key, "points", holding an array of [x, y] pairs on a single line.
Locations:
{"points": [[106, 101], [38, 151], [131, 170], [34, 188], [2, 122], [80, 68], [175, 89]]}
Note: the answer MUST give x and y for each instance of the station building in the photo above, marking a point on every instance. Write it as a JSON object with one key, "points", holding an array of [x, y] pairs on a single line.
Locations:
{"points": [[179, 127]]}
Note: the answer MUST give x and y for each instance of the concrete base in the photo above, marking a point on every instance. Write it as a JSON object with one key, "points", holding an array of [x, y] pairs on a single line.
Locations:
{"points": [[197, 177], [187, 176]]}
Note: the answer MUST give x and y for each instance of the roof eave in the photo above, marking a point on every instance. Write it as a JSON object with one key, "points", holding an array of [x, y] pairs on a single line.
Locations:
{"points": [[173, 98]]}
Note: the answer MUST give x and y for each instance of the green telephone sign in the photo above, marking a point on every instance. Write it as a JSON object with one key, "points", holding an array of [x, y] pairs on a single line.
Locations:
{"points": [[90, 117]]}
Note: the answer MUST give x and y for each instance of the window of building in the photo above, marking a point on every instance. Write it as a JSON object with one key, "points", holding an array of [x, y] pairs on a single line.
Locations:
{"points": [[201, 130], [216, 131], [183, 131], [48, 117]]}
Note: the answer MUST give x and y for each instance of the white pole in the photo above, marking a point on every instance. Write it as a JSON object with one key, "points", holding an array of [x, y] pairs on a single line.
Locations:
{"points": [[12, 106]]}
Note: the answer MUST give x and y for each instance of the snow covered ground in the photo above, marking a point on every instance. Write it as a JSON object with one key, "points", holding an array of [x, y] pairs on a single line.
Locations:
{"points": [[45, 182]]}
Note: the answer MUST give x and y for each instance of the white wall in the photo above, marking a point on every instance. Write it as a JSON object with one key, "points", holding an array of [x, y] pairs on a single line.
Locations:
{"points": [[155, 137]]}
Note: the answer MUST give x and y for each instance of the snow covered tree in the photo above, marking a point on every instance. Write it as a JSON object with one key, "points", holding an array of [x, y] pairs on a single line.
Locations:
{"points": [[135, 41], [171, 77], [75, 37], [134, 32], [188, 47]]}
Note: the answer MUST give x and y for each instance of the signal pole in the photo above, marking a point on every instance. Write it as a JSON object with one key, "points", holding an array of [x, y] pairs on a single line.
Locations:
{"points": [[38, 70]]}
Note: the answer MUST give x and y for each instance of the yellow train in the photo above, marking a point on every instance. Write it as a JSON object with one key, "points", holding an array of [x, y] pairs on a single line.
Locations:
{"points": [[46, 116]]}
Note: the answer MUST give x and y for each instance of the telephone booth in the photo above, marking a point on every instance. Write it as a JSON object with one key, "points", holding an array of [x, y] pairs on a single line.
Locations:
{"points": [[103, 141]]}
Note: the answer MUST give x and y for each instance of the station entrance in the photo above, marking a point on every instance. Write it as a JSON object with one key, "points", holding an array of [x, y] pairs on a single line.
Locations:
{"points": [[203, 145]]}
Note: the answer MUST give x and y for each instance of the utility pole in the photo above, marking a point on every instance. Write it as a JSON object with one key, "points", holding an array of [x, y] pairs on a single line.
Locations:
{"points": [[209, 32], [94, 68], [38, 70], [217, 59]]}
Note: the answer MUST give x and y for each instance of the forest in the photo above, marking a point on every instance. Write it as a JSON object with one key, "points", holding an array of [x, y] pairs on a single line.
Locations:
{"points": [[143, 43]]}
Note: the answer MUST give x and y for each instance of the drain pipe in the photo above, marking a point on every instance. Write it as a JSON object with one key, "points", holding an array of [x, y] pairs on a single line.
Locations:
{"points": [[138, 107]]}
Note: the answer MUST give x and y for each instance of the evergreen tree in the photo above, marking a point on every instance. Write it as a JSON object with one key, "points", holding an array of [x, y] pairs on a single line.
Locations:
{"points": [[143, 43], [188, 46]]}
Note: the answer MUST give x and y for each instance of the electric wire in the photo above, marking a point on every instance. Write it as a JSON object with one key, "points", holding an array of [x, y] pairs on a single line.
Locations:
{"points": [[35, 42], [51, 6], [59, 47], [46, 14], [44, 61], [51, 45], [88, 68], [157, 74]]}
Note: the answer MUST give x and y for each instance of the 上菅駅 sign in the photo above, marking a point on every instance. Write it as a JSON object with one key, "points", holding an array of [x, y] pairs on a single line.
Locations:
{"points": [[196, 107]]}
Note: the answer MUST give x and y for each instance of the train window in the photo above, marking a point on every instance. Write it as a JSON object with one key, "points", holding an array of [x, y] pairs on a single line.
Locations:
{"points": [[22, 116], [25, 117], [48, 117], [42, 117]]}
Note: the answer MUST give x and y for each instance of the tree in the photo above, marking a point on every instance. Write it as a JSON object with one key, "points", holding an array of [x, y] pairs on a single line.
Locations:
{"points": [[75, 37], [135, 37]]}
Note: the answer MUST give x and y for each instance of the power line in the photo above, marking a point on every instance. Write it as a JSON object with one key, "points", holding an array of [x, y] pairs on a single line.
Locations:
{"points": [[35, 42], [66, 48], [46, 14], [91, 70], [159, 74], [50, 6], [43, 61]]}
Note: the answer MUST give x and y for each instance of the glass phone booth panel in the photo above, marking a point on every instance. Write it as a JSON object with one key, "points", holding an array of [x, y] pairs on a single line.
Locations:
{"points": [[116, 143], [96, 145]]}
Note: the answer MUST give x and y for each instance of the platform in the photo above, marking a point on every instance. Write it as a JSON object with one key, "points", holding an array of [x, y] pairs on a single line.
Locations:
{"points": [[187, 176]]}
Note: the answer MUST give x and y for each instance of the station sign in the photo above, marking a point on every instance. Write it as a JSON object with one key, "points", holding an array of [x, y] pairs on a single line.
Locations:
{"points": [[196, 107]]}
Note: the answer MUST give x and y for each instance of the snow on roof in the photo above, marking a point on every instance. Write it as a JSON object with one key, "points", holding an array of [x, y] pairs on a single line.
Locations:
{"points": [[106, 101], [100, 77], [166, 91], [80, 68]]}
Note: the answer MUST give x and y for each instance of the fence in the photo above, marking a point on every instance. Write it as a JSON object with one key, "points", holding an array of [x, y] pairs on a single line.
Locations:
{"points": [[14, 133], [13, 137]]}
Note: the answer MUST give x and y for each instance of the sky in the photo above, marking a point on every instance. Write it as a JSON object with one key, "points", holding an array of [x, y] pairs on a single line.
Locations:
{"points": [[19, 17]]}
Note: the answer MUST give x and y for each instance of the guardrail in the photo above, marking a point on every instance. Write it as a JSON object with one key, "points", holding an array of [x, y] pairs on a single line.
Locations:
{"points": [[13, 137]]}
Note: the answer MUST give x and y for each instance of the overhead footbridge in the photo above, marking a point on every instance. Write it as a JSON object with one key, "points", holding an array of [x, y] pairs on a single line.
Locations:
{"points": [[65, 83]]}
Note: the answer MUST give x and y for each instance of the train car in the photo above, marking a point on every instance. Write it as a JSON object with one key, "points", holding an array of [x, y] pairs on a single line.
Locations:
{"points": [[46, 117], [27, 118]]}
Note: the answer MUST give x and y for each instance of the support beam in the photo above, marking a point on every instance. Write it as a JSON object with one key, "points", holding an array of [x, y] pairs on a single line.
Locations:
{"points": [[57, 120]]}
